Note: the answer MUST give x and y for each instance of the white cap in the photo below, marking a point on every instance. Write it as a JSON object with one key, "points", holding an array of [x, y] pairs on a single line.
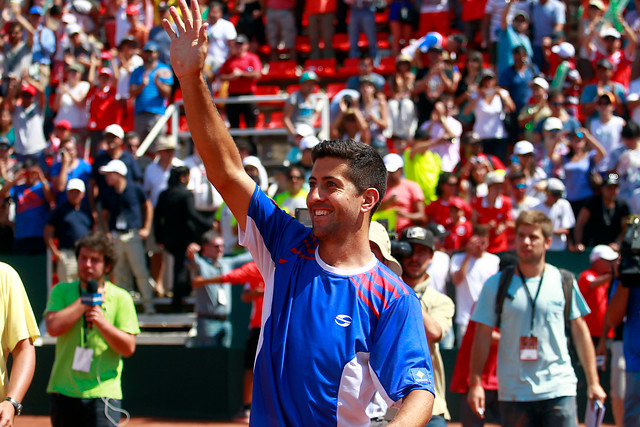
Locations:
{"points": [[493, 177], [564, 50], [603, 251], [308, 142], [539, 81], [393, 162], [76, 184], [114, 130], [304, 129], [553, 123], [522, 147], [116, 166], [73, 28], [379, 235], [555, 185], [611, 32]]}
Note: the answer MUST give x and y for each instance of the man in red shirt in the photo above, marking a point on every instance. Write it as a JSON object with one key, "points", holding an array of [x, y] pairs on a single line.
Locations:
{"points": [[594, 285], [103, 110], [622, 59], [494, 210], [242, 70]]}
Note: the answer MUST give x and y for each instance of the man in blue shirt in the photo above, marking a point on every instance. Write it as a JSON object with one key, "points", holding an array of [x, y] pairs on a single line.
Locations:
{"points": [[338, 325], [536, 381], [150, 85]]}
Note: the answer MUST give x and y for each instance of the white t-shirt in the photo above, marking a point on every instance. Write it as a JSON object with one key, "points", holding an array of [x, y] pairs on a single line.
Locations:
{"points": [[156, 179], [77, 116], [438, 271], [489, 118], [219, 35], [449, 151], [122, 91], [608, 134], [206, 197], [561, 216], [467, 292], [634, 95]]}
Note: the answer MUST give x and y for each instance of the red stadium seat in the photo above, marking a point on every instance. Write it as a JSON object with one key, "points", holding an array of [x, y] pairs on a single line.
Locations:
{"points": [[281, 70], [387, 66], [349, 68], [275, 120], [322, 67], [334, 88], [268, 90], [383, 41], [341, 42]]}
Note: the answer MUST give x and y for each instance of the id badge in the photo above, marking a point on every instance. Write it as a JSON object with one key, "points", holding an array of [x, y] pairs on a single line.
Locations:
{"points": [[82, 359], [528, 349], [222, 297]]}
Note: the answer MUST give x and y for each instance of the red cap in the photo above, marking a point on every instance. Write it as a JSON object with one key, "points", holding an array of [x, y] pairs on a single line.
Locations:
{"points": [[29, 89], [64, 124], [458, 203], [106, 55], [106, 70], [132, 10]]}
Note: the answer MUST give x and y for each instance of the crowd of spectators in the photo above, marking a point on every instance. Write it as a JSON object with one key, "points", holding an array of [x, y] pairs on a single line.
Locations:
{"points": [[482, 109]]}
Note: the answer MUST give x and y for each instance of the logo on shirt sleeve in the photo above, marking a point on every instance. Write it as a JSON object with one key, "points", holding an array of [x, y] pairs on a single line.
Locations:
{"points": [[420, 375]]}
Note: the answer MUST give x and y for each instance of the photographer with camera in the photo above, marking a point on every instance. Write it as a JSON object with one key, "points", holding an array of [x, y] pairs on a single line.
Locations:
{"points": [[31, 193], [416, 248]]}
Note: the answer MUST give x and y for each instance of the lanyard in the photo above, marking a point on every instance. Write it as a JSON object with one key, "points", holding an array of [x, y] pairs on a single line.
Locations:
{"points": [[532, 300]]}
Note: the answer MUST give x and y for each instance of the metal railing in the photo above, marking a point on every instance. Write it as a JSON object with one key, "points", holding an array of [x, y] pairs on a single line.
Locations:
{"points": [[173, 113]]}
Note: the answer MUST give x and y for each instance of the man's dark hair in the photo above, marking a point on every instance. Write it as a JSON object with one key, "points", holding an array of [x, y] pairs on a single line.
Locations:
{"points": [[481, 230], [630, 130], [519, 49], [176, 174], [442, 180], [365, 168], [99, 242]]}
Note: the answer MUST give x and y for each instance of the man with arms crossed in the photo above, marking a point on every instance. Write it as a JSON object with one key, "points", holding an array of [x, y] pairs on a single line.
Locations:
{"points": [[338, 325], [536, 382]]}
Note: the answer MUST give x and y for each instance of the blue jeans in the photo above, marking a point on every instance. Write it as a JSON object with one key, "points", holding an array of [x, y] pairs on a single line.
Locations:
{"points": [[437, 421], [468, 418], [362, 21], [557, 412], [214, 333], [632, 400]]}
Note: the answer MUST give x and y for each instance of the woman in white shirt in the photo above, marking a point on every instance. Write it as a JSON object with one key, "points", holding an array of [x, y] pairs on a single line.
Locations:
{"points": [[71, 102], [490, 104]]}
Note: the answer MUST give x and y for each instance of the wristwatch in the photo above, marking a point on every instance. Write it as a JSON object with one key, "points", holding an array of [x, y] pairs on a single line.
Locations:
{"points": [[17, 406]]}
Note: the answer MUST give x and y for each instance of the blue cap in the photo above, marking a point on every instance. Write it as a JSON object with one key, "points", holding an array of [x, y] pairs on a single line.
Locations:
{"points": [[150, 47], [307, 76], [36, 10]]}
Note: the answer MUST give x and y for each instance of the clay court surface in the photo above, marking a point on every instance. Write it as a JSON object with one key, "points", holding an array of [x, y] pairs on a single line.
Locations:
{"points": [[41, 421]]}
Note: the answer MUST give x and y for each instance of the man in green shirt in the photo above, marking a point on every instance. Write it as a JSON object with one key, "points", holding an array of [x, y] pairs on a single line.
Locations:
{"points": [[85, 383]]}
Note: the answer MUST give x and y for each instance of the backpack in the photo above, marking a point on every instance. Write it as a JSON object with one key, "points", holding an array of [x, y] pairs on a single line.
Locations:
{"points": [[567, 288]]}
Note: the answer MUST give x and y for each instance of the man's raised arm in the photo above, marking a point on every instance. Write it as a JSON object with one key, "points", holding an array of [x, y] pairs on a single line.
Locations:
{"points": [[215, 145]]}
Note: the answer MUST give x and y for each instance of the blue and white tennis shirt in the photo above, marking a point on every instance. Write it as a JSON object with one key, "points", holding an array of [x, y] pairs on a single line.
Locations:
{"points": [[330, 337]]}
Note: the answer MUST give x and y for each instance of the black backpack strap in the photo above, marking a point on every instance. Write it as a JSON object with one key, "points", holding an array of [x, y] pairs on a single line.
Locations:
{"points": [[567, 288], [503, 286]]}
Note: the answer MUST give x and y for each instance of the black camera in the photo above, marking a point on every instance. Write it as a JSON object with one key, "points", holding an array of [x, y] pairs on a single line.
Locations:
{"points": [[630, 254], [348, 101]]}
